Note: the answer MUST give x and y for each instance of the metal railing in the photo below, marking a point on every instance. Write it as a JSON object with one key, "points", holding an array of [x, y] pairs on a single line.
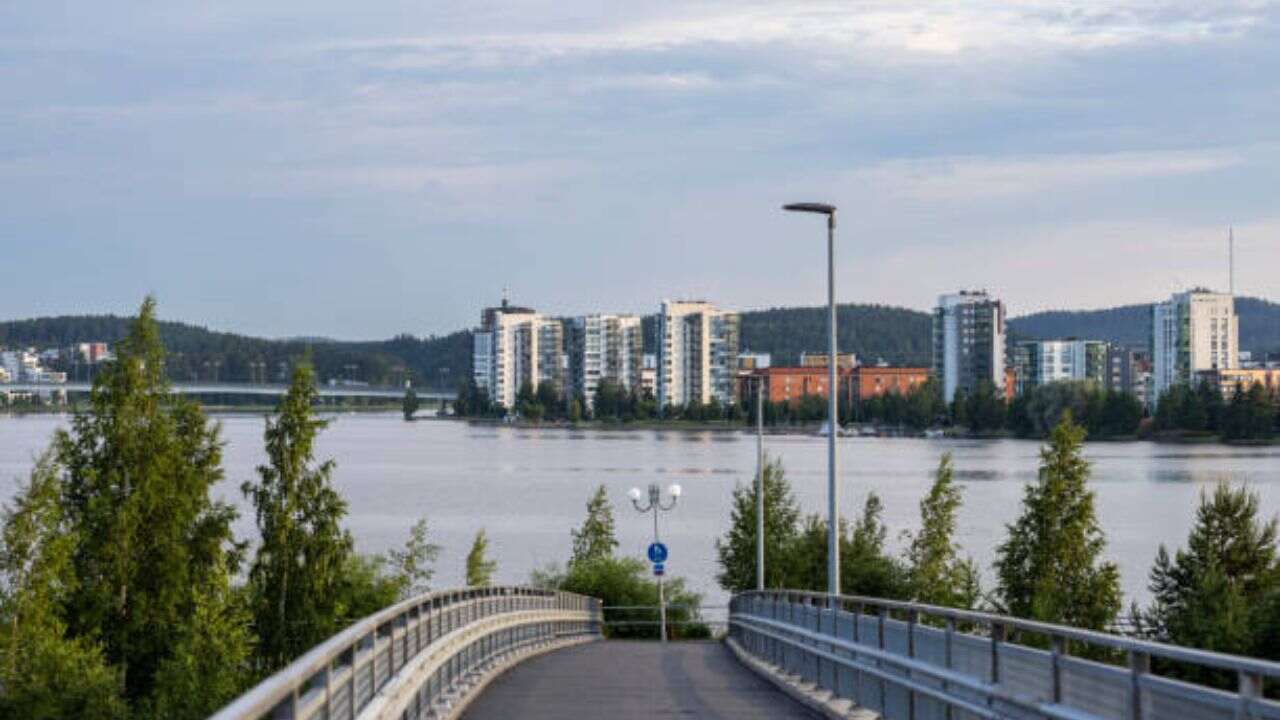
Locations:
{"points": [[419, 656], [908, 661]]}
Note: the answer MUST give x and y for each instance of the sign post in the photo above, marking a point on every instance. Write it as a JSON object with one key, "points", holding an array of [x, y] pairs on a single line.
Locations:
{"points": [[657, 551]]}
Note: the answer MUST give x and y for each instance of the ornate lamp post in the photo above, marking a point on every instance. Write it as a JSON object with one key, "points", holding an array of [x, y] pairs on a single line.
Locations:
{"points": [[656, 506]]}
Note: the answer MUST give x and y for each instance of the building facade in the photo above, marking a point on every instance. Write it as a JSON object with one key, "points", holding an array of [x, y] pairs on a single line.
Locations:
{"points": [[1192, 331], [515, 347], [820, 359], [697, 354], [603, 347], [1228, 379], [969, 343], [790, 384], [1040, 362]]}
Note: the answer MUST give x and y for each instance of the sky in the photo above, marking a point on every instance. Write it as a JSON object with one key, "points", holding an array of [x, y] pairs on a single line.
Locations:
{"points": [[358, 170]]}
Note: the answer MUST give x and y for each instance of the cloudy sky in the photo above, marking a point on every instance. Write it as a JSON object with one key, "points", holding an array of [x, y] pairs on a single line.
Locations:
{"points": [[362, 169]]}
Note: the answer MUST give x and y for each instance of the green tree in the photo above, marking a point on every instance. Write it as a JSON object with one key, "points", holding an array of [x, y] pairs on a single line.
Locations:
{"points": [[624, 582], [1050, 566], [480, 568], [44, 674], [596, 538], [410, 404], [986, 408], [1207, 594], [936, 572], [415, 564], [138, 467], [736, 551], [303, 545], [866, 568]]}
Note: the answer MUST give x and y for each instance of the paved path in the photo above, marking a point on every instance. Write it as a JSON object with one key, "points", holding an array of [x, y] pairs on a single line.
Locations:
{"points": [[620, 680]]}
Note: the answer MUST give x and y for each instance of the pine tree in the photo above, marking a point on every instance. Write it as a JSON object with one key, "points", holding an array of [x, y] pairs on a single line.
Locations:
{"points": [[138, 468], [1205, 595], [1050, 566], [410, 404], [304, 548], [44, 674], [480, 568], [936, 572], [596, 538], [736, 551]]}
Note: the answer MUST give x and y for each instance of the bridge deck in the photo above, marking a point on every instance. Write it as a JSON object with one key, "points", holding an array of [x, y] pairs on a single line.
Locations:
{"points": [[619, 680]]}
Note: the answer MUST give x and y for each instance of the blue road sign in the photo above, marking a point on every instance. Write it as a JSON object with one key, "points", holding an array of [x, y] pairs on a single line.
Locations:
{"points": [[657, 553], [658, 569]]}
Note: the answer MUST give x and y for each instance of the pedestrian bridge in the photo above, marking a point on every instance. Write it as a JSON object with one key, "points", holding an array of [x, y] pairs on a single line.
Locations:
{"points": [[237, 388], [507, 652]]}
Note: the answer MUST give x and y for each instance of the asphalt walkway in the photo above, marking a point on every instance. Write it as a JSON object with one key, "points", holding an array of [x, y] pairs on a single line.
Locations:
{"points": [[621, 680]]}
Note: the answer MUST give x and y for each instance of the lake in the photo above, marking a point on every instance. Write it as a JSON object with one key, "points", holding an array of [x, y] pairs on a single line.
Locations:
{"points": [[528, 487]]}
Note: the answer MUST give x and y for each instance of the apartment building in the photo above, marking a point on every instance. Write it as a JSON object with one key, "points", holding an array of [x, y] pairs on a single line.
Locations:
{"points": [[1040, 362], [1191, 332], [514, 347], [697, 353], [604, 347], [969, 342]]}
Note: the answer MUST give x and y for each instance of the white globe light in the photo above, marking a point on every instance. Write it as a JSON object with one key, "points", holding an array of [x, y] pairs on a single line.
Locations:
{"points": [[634, 494], [675, 490]]}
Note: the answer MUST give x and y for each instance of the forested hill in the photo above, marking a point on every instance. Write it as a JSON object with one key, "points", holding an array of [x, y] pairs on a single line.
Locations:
{"points": [[874, 332], [1131, 324], [199, 353]]}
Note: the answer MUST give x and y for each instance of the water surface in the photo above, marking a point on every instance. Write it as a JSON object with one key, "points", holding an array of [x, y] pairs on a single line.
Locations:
{"points": [[527, 488]]}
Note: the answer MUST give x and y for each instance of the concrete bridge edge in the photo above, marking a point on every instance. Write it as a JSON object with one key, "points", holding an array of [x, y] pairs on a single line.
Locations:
{"points": [[823, 702], [474, 691]]}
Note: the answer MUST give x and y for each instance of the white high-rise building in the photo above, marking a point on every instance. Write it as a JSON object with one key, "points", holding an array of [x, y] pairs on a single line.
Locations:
{"points": [[515, 347], [968, 342], [604, 347], [697, 353], [1040, 362], [1192, 331]]}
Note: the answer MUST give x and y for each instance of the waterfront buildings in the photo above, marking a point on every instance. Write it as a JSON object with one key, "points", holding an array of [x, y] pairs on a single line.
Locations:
{"points": [[790, 384], [1192, 331], [1228, 379], [748, 360], [969, 343], [697, 353], [514, 347], [603, 347], [1040, 362]]}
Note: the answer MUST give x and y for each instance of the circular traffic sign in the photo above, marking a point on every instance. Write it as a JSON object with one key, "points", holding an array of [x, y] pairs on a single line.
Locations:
{"points": [[657, 553]]}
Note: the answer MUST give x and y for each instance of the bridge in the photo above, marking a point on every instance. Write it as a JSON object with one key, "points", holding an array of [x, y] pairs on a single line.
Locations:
{"points": [[247, 389], [506, 652]]}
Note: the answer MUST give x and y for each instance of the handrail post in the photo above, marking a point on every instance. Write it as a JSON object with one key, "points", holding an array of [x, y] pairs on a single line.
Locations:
{"points": [[947, 643], [912, 617], [1250, 689], [1058, 648], [1139, 665], [997, 637]]}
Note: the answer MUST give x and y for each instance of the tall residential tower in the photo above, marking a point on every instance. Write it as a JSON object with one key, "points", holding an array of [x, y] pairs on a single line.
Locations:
{"points": [[968, 342], [697, 353], [1192, 331]]}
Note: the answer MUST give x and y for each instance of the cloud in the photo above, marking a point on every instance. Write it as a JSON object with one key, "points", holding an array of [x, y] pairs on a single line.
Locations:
{"points": [[967, 179]]}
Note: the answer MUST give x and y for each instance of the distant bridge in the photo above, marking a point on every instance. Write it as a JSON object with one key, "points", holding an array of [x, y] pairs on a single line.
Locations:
{"points": [[263, 389]]}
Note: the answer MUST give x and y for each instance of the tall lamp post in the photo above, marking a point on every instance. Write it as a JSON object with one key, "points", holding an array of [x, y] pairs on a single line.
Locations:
{"points": [[833, 420], [760, 483], [655, 505]]}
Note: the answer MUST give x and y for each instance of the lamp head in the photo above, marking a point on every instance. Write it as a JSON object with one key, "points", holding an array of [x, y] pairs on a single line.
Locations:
{"points": [[820, 208], [634, 494], [675, 490]]}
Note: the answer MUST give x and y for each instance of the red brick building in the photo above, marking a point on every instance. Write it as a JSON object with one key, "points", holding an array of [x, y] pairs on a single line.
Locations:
{"points": [[789, 384]]}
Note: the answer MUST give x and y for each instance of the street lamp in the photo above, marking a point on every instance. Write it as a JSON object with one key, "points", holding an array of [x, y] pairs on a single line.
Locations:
{"points": [[655, 505], [833, 424]]}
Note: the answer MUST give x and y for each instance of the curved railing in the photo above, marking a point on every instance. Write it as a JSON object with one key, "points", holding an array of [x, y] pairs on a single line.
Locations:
{"points": [[424, 656], [907, 660]]}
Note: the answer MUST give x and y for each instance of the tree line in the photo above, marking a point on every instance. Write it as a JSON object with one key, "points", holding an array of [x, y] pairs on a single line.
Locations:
{"points": [[198, 354], [1220, 592], [1251, 414], [120, 590]]}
